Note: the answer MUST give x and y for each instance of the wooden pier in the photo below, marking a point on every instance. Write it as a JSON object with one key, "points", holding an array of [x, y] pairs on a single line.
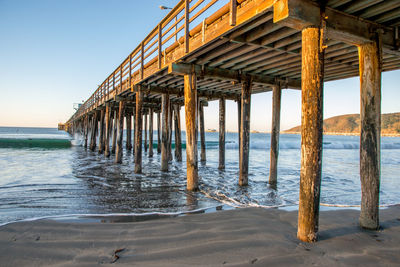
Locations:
{"points": [[199, 53]]}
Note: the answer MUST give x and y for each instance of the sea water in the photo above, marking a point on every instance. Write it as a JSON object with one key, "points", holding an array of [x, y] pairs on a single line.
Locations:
{"points": [[45, 172]]}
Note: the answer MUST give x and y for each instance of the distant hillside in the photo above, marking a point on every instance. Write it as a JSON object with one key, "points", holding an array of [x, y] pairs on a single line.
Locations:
{"points": [[350, 124]]}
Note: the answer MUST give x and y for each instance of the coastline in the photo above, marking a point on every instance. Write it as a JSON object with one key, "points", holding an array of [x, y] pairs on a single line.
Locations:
{"points": [[248, 236]]}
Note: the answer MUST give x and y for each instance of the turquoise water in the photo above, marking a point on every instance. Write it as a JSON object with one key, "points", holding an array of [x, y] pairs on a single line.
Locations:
{"points": [[45, 172]]}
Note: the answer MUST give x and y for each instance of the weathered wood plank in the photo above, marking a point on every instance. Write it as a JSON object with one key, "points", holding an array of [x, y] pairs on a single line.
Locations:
{"points": [[191, 131], [312, 76], [275, 129], [370, 80]]}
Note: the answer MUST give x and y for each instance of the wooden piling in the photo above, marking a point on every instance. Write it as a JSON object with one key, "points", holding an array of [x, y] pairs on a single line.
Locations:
{"points": [[107, 131], [145, 132], [203, 156], [190, 89], [158, 132], [221, 164], [150, 133], [128, 120], [114, 134], [312, 80], [138, 130], [134, 128], [165, 133], [121, 111], [93, 132], [370, 58], [275, 129], [245, 132], [86, 130], [239, 111], [170, 111], [101, 131], [178, 138]]}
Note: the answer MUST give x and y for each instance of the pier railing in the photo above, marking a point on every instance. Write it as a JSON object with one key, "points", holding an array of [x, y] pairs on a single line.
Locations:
{"points": [[170, 33]]}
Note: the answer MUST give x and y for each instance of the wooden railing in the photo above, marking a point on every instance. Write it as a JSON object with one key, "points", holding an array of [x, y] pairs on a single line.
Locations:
{"points": [[173, 31]]}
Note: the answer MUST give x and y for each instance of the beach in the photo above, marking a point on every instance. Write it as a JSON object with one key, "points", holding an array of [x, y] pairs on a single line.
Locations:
{"points": [[239, 237]]}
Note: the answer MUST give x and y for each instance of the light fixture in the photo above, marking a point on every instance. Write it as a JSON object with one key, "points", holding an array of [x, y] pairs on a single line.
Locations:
{"points": [[165, 7]]}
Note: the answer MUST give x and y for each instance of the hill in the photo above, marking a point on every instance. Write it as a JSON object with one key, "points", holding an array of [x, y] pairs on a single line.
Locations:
{"points": [[350, 124]]}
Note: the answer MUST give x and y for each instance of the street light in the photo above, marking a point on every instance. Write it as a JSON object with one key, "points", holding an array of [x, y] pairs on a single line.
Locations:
{"points": [[164, 7]]}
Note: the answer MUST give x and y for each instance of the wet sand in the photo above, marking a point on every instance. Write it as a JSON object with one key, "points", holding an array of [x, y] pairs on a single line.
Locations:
{"points": [[251, 236]]}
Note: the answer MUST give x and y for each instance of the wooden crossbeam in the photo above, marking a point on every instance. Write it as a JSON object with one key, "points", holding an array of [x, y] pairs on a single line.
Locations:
{"points": [[225, 74], [299, 14]]}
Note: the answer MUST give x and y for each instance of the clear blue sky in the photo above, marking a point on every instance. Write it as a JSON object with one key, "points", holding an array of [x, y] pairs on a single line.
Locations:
{"points": [[55, 53]]}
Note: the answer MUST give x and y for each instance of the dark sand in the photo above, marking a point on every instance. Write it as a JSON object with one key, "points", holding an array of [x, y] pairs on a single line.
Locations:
{"points": [[249, 236]]}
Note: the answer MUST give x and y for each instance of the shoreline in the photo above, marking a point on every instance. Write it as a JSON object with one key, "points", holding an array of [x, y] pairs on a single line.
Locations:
{"points": [[345, 134], [244, 236]]}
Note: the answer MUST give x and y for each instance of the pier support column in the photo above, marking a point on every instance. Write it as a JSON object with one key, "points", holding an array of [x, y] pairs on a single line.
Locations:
{"points": [[165, 133], [114, 134], [239, 111], [221, 164], [312, 81], [145, 131], [170, 111], [244, 146], [128, 120], [121, 111], [158, 132], [370, 58], [138, 130], [275, 129], [86, 130], [203, 157], [107, 131], [190, 89], [93, 133], [101, 131], [150, 133], [134, 128], [178, 138]]}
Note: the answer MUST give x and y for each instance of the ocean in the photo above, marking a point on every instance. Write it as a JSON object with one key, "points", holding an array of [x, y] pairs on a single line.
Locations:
{"points": [[47, 173]]}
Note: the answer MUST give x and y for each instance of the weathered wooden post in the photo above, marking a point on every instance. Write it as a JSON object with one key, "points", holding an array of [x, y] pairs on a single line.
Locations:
{"points": [[165, 132], [312, 81], [245, 132], [178, 141], [128, 120], [203, 157], [134, 128], [158, 132], [86, 130], [221, 165], [101, 131], [114, 136], [107, 131], [170, 110], [145, 131], [190, 89], [150, 133], [275, 128], [138, 130], [239, 110], [370, 58], [121, 111], [93, 132]]}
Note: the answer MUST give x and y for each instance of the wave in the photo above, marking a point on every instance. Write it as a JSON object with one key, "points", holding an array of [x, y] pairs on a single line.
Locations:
{"points": [[44, 143]]}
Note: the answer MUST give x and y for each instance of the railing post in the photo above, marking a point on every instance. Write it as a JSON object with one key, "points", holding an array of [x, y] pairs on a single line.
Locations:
{"points": [[159, 45], [130, 71], [120, 78], [142, 61], [187, 26], [232, 13]]}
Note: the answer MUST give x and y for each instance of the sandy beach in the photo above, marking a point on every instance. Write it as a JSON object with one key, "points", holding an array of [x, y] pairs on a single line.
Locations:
{"points": [[241, 237]]}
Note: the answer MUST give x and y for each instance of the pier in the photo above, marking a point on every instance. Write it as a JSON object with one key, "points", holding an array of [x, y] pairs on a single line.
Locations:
{"points": [[199, 53]]}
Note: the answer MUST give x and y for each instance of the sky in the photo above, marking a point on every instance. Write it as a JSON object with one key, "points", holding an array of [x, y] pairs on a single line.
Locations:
{"points": [[55, 53]]}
